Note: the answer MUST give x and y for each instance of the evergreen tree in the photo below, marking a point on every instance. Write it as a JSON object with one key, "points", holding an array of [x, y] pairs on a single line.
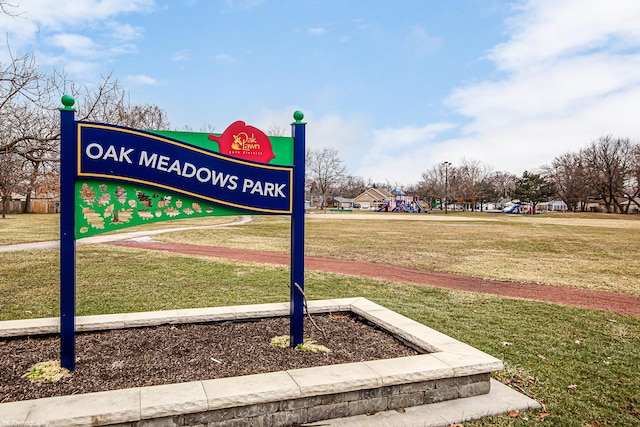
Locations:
{"points": [[533, 188]]}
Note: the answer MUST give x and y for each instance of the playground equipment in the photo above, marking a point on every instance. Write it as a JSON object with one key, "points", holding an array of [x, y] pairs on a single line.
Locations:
{"points": [[513, 208], [384, 208], [402, 203], [419, 206], [404, 207]]}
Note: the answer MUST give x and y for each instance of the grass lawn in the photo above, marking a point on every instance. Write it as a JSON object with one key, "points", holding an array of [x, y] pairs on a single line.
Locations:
{"points": [[582, 364]]}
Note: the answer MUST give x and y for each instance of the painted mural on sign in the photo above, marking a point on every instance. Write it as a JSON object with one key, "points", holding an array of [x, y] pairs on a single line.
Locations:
{"points": [[107, 206]]}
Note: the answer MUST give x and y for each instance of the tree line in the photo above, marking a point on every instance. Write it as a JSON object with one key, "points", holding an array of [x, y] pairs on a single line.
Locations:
{"points": [[606, 170]]}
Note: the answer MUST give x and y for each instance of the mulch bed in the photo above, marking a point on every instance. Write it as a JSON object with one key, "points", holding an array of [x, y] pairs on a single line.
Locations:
{"points": [[140, 357]]}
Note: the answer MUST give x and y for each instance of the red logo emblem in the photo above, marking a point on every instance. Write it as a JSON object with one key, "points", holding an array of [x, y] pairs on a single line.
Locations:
{"points": [[245, 142]]}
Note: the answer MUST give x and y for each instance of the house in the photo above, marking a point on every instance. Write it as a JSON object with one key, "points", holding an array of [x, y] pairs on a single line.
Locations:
{"points": [[373, 198], [595, 205], [555, 206], [340, 203], [598, 205]]}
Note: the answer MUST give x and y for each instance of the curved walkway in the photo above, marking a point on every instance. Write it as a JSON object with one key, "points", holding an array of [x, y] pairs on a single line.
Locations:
{"points": [[597, 300], [106, 238]]}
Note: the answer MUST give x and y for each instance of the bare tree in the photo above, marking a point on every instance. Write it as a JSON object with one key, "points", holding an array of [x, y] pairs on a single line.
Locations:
{"points": [[30, 134], [631, 187], [22, 139], [569, 174], [5, 8], [486, 192], [432, 184], [325, 171], [352, 186], [29, 119], [275, 130], [608, 162], [110, 103], [468, 178], [503, 183], [11, 175]]}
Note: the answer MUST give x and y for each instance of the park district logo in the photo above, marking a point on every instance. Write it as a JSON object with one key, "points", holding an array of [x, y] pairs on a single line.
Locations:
{"points": [[245, 142]]}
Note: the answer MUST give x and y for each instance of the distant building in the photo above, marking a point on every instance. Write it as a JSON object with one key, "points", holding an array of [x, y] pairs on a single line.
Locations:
{"points": [[340, 203], [555, 206], [373, 198]]}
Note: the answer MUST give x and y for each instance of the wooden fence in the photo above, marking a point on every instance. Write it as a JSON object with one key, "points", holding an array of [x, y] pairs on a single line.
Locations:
{"points": [[37, 206]]}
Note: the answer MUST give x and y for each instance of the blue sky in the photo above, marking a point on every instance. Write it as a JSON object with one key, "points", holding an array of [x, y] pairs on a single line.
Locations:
{"points": [[395, 87]]}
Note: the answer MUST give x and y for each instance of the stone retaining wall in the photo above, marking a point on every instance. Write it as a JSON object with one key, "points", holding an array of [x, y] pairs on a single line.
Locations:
{"points": [[449, 370], [319, 408]]}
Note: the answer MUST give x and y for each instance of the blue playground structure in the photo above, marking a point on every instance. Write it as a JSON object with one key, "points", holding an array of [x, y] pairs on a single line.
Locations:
{"points": [[419, 205], [402, 203], [384, 208], [404, 207], [513, 209]]}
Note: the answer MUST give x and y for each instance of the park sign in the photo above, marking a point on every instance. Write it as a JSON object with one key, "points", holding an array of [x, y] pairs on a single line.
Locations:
{"points": [[114, 177], [129, 177]]}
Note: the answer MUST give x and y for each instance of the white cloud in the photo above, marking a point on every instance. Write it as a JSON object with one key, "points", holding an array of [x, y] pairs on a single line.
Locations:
{"points": [[63, 25], [69, 15], [181, 56], [402, 153], [377, 155], [124, 32], [570, 77], [422, 42], [316, 31], [543, 31], [350, 137], [74, 44], [223, 58], [84, 70], [141, 80]]}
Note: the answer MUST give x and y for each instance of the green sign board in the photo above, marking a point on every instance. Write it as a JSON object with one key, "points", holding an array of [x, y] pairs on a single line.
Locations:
{"points": [[104, 205]]}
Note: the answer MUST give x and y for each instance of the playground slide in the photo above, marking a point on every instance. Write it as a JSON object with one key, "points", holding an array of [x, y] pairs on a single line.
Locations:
{"points": [[404, 208], [512, 209], [384, 207], [420, 208]]}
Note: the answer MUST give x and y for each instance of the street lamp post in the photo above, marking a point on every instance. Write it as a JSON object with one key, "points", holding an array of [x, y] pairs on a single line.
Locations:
{"points": [[446, 185]]}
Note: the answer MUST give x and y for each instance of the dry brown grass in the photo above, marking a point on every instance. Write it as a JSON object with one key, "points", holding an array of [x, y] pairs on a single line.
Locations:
{"points": [[583, 251], [600, 252]]}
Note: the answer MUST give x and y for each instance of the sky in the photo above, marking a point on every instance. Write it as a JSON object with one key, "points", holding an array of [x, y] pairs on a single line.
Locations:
{"points": [[395, 87]]}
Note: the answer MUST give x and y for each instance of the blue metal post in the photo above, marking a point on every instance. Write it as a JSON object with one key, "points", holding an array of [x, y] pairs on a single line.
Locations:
{"points": [[67, 235], [296, 309]]}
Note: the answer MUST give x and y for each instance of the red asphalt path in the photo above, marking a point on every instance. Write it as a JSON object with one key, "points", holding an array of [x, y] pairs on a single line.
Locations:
{"points": [[597, 300]]}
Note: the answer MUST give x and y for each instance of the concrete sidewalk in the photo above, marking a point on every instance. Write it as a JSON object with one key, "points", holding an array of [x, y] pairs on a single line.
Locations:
{"points": [[500, 400], [241, 220]]}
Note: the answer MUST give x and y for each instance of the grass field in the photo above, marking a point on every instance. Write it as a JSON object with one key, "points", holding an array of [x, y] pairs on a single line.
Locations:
{"points": [[582, 364]]}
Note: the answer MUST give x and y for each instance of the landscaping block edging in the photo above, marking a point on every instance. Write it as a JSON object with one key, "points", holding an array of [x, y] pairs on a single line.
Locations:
{"points": [[449, 370]]}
